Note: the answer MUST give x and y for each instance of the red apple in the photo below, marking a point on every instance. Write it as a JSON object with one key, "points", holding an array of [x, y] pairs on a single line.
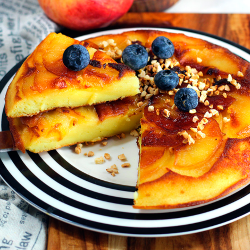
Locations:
{"points": [[85, 14]]}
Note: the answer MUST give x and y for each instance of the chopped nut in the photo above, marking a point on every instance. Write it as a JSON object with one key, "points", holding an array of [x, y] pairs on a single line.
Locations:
{"points": [[107, 156], [192, 111], [78, 148], [227, 88], [99, 160], [134, 133], [187, 137], [123, 135], [195, 119], [200, 134], [224, 95], [208, 115], [125, 165], [221, 88], [194, 130], [148, 96], [199, 60], [225, 119], [151, 108], [229, 78], [220, 107], [113, 170], [214, 112], [104, 143], [206, 103], [240, 74], [166, 112], [122, 157], [90, 154]]}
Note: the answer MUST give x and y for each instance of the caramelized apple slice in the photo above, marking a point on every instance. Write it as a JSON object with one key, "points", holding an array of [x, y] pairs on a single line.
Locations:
{"points": [[197, 159], [52, 56], [153, 163], [239, 115]]}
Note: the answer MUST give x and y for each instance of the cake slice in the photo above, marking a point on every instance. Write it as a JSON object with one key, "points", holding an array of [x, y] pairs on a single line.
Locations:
{"points": [[44, 83], [64, 126]]}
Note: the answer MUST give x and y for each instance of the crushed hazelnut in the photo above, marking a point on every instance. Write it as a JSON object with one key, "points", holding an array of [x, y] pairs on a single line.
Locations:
{"points": [[225, 119], [125, 165], [122, 157], [187, 137], [78, 148], [240, 74], [107, 156], [90, 154], [166, 112], [99, 160], [134, 133], [151, 108], [220, 107], [113, 170], [195, 119], [200, 135], [104, 143], [199, 60]]}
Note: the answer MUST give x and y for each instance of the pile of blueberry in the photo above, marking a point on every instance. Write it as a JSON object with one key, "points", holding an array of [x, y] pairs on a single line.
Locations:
{"points": [[136, 57], [76, 57]]}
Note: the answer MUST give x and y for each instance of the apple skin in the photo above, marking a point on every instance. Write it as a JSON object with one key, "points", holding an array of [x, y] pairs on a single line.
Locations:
{"points": [[85, 14]]}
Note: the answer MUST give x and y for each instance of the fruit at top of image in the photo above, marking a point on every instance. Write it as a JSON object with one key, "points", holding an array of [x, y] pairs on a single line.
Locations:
{"points": [[135, 56], [85, 14]]}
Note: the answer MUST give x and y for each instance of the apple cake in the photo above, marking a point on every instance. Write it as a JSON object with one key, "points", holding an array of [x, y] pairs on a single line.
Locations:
{"points": [[192, 106]]}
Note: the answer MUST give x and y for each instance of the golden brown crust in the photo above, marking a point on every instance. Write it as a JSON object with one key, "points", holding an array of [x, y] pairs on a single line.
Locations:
{"points": [[43, 76]]}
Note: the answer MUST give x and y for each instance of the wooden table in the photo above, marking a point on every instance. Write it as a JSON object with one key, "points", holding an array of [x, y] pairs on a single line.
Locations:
{"points": [[234, 27]]}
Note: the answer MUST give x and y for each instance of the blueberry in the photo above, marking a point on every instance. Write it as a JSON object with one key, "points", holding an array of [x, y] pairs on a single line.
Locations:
{"points": [[163, 47], [76, 57], [186, 99], [166, 79], [135, 56]]}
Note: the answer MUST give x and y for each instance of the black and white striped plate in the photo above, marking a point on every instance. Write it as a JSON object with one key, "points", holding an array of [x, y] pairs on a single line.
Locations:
{"points": [[74, 189]]}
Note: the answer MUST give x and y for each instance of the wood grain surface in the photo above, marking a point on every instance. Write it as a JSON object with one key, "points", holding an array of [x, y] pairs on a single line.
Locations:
{"points": [[235, 236]]}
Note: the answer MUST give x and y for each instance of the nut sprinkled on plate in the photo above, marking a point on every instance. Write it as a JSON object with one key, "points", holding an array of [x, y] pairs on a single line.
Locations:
{"points": [[134, 133], [78, 148], [91, 153], [104, 143], [99, 160], [122, 157], [107, 156], [113, 170], [125, 165]]}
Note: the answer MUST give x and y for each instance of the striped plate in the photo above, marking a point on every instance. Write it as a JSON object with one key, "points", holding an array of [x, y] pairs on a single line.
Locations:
{"points": [[74, 189]]}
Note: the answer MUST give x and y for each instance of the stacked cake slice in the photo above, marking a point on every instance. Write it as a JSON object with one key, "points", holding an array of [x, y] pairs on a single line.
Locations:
{"points": [[50, 106]]}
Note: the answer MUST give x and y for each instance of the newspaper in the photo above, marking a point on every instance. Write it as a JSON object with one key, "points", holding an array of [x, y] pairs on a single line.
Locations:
{"points": [[23, 25]]}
